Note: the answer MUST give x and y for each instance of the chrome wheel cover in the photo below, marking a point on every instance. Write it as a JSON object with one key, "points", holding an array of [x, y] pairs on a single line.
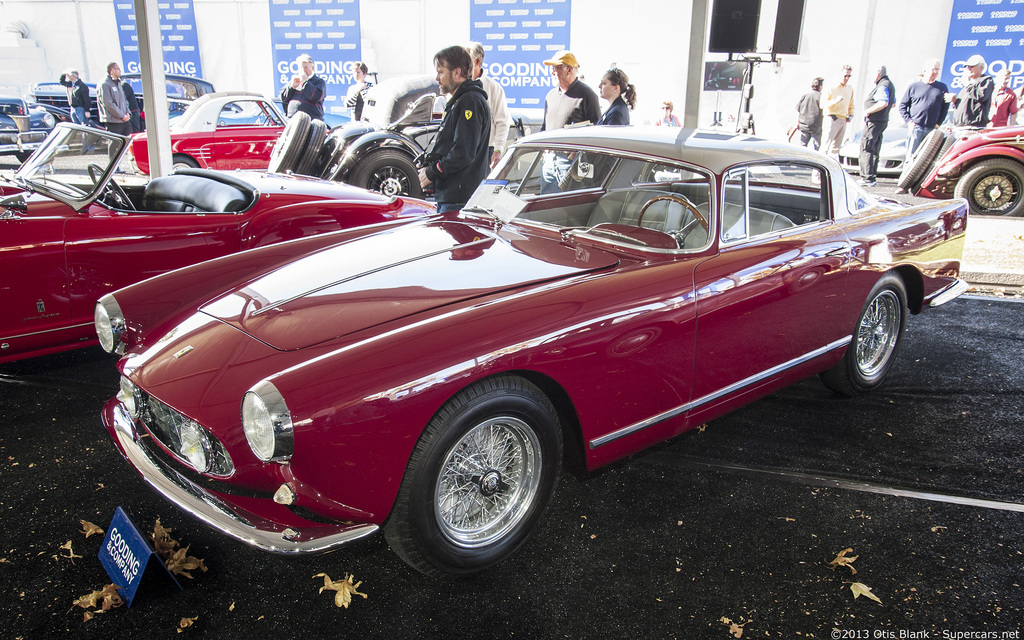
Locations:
{"points": [[390, 181], [878, 333], [488, 481]]}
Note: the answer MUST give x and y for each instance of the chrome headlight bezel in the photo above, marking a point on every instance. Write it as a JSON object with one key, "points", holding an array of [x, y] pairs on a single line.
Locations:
{"points": [[267, 423], [110, 325]]}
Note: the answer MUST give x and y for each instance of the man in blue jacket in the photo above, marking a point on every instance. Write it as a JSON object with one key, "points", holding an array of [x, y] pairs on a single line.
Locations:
{"points": [[306, 91], [459, 159], [924, 105]]}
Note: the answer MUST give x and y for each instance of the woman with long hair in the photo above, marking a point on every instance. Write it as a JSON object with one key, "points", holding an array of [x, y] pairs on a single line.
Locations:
{"points": [[616, 89]]}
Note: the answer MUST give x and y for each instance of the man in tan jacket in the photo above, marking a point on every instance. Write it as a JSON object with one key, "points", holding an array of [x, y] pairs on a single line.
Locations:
{"points": [[837, 107]]}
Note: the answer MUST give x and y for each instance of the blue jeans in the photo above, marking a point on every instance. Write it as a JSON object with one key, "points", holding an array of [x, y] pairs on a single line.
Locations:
{"points": [[914, 138], [78, 116], [445, 207]]}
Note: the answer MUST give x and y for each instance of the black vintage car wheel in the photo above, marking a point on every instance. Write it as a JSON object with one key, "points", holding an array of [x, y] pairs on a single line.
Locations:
{"points": [[993, 187], [478, 479], [389, 172], [182, 161], [922, 161], [876, 340], [288, 148]]}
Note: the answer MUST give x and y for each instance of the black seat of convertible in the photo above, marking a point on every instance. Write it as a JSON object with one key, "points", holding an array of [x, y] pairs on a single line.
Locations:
{"points": [[197, 190]]}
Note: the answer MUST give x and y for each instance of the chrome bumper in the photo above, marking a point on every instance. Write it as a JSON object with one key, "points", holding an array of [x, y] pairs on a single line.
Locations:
{"points": [[950, 292], [250, 528]]}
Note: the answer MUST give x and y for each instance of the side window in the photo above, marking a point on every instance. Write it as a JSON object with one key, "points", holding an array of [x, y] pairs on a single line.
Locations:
{"points": [[772, 197], [246, 113]]}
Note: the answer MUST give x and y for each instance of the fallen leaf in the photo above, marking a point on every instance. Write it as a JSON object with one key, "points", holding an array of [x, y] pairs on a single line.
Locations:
{"points": [[232, 607], [71, 554], [105, 599], [344, 587], [185, 623], [89, 528], [842, 560], [736, 630], [861, 589], [176, 560]]}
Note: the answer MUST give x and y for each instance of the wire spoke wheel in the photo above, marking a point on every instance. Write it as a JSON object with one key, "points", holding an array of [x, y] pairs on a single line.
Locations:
{"points": [[488, 481], [878, 333], [995, 192], [389, 180]]}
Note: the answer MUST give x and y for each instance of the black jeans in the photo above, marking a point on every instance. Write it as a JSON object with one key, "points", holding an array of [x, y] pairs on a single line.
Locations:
{"points": [[870, 147]]}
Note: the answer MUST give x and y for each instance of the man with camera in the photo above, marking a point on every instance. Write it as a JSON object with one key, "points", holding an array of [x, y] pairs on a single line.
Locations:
{"points": [[459, 159]]}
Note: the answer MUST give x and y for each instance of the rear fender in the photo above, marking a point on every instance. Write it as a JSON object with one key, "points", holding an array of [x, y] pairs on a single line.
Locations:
{"points": [[371, 142]]}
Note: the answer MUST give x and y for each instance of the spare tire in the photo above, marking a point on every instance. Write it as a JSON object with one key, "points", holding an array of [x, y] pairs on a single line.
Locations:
{"points": [[289, 146], [311, 152], [922, 161]]}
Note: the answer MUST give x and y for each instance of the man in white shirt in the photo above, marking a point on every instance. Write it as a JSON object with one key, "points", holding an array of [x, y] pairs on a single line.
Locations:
{"points": [[500, 117]]}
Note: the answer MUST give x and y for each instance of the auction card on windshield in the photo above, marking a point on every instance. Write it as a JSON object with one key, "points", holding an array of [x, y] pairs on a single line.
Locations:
{"points": [[493, 197]]}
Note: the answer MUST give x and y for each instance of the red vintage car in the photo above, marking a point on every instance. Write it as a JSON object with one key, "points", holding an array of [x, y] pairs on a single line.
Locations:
{"points": [[222, 130], [70, 231], [606, 289]]}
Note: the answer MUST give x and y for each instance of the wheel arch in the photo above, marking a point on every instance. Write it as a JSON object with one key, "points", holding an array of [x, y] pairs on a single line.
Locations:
{"points": [[913, 284], [371, 143], [966, 162]]}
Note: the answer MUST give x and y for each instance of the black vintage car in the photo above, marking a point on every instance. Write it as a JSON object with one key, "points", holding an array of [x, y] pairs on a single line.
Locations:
{"points": [[400, 118], [22, 127]]}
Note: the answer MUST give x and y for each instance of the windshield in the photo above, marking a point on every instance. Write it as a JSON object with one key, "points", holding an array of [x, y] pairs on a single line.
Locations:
{"points": [[857, 199], [73, 163], [638, 201]]}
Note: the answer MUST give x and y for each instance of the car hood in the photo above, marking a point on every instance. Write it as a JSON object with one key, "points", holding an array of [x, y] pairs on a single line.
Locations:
{"points": [[391, 275]]}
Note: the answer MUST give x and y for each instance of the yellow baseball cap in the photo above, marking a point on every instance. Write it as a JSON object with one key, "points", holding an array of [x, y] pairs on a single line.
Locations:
{"points": [[563, 57]]}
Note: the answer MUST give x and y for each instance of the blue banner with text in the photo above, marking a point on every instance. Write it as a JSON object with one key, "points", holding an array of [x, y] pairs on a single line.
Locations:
{"points": [[518, 36], [993, 29], [178, 33], [326, 30]]}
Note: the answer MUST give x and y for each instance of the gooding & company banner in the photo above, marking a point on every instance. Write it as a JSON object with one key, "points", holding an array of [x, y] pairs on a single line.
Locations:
{"points": [[518, 36], [178, 32], [327, 30], [993, 29]]}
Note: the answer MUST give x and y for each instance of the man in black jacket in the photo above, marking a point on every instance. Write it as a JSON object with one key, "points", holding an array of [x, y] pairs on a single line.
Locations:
{"points": [[78, 96], [876, 119], [458, 159]]}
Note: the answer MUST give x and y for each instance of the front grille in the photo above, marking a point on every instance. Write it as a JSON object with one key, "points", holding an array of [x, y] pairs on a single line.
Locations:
{"points": [[165, 425]]}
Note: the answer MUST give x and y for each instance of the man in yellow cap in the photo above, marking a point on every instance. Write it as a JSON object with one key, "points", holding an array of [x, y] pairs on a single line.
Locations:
{"points": [[571, 102]]}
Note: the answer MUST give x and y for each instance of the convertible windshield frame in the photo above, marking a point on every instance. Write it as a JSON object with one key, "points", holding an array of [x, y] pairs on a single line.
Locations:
{"points": [[74, 164]]}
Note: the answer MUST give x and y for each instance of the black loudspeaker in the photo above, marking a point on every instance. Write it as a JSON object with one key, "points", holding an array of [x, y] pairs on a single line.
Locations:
{"points": [[734, 26], [789, 21]]}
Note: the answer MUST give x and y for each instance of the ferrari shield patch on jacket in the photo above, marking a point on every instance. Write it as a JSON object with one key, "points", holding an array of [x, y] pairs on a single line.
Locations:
{"points": [[469, 114]]}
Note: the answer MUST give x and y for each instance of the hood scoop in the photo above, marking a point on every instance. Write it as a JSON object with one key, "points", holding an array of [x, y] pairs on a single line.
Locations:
{"points": [[391, 275]]}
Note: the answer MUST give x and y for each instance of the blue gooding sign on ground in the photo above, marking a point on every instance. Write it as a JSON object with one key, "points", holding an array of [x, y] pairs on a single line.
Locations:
{"points": [[125, 553]]}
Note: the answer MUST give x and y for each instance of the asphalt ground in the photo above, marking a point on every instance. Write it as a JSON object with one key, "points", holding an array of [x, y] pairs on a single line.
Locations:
{"points": [[739, 520]]}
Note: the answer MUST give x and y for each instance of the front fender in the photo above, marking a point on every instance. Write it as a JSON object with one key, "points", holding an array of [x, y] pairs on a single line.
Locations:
{"points": [[370, 142], [955, 167]]}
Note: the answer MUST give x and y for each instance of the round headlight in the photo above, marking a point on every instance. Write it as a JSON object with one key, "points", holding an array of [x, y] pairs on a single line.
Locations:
{"points": [[267, 423], [110, 324], [49, 120], [194, 445]]}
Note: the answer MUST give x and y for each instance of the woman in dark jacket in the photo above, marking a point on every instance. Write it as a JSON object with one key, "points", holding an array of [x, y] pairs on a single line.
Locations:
{"points": [[616, 89]]}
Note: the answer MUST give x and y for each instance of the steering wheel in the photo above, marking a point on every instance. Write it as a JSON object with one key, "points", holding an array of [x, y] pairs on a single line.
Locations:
{"points": [[118, 197], [95, 172], [679, 200]]}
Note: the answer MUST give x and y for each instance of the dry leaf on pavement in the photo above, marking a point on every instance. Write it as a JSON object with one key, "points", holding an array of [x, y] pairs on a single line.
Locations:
{"points": [[89, 528], [861, 589], [346, 588], [71, 554], [736, 630], [103, 600], [842, 560]]}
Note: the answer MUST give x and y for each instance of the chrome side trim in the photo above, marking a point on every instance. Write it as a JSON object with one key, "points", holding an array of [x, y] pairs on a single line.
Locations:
{"points": [[45, 331], [952, 291], [746, 382], [208, 508]]}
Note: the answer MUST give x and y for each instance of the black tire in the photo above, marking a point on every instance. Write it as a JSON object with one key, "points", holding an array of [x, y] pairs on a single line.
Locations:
{"points": [[330, 153], [456, 518], [876, 340], [311, 152], [993, 187], [389, 172], [922, 161], [288, 148], [180, 160]]}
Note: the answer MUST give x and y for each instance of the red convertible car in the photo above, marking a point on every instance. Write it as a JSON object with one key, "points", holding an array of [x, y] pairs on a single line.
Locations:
{"points": [[223, 130], [71, 232], [605, 289]]}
